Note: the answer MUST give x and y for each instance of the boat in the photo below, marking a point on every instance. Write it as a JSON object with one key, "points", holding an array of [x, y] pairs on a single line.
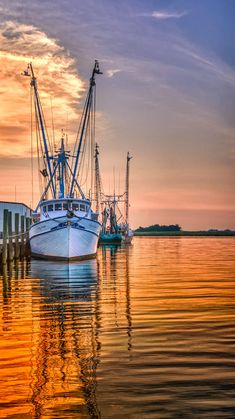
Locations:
{"points": [[65, 226], [114, 219], [110, 233], [126, 230]]}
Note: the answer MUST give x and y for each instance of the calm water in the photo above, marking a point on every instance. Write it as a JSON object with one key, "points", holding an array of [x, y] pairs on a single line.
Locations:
{"points": [[146, 331]]}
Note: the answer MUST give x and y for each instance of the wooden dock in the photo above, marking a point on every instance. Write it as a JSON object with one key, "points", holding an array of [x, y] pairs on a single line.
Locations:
{"points": [[14, 244]]}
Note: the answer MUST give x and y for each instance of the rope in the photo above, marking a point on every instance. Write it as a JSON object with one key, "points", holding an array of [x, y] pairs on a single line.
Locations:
{"points": [[93, 142], [79, 130], [31, 141], [38, 145], [16, 235]]}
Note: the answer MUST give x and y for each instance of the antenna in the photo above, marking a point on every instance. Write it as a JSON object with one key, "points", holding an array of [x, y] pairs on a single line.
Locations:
{"points": [[128, 158]]}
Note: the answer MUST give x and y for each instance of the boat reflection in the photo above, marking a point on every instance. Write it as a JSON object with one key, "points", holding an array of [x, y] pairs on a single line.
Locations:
{"points": [[109, 248], [115, 290], [68, 316], [65, 352], [75, 280]]}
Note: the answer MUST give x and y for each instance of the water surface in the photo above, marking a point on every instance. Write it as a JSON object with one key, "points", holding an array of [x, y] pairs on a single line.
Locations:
{"points": [[145, 331]]}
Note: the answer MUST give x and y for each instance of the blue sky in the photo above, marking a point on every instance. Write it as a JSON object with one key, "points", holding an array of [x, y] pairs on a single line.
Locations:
{"points": [[167, 96]]}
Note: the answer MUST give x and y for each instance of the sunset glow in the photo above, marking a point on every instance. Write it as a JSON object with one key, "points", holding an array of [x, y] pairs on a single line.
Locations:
{"points": [[167, 99]]}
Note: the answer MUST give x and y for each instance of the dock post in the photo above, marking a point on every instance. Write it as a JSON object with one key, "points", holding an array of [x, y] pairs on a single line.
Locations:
{"points": [[4, 236], [17, 247], [5, 283], [22, 240], [27, 227], [28, 222], [10, 243]]}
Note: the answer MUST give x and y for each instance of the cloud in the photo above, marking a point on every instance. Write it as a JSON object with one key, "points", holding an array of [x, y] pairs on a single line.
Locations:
{"points": [[164, 14], [59, 84], [184, 84], [209, 63], [112, 72]]}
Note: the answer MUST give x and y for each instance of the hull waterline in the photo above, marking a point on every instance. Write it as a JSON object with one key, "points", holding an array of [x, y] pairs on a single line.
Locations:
{"points": [[64, 240]]}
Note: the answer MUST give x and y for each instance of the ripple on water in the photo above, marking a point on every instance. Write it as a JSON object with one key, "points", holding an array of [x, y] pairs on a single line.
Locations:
{"points": [[143, 331]]}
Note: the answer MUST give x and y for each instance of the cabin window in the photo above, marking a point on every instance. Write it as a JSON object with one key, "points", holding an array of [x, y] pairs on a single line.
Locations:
{"points": [[58, 207], [65, 206], [75, 207], [44, 208], [82, 207], [50, 207]]}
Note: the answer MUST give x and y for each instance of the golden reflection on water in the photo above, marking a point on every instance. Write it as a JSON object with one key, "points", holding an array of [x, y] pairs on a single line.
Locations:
{"points": [[143, 331]]}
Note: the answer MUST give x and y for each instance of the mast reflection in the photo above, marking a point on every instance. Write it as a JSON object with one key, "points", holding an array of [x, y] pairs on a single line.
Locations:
{"points": [[115, 289]]}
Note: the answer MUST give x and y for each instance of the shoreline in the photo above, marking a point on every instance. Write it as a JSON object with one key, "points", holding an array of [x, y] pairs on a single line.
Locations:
{"points": [[185, 233]]}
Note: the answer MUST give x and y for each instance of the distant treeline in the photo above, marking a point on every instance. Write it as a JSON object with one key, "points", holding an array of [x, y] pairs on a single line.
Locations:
{"points": [[157, 227]]}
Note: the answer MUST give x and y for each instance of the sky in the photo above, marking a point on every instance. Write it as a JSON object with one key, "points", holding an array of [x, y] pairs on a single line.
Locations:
{"points": [[167, 96]]}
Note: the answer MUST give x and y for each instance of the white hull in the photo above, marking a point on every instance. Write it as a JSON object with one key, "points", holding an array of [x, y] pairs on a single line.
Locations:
{"points": [[64, 238], [127, 239]]}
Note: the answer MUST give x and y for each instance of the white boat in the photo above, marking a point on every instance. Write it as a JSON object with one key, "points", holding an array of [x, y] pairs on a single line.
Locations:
{"points": [[65, 227], [67, 230], [128, 236]]}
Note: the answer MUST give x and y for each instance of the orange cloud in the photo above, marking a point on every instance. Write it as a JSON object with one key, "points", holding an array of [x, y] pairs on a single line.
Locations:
{"points": [[60, 89], [59, 84]]}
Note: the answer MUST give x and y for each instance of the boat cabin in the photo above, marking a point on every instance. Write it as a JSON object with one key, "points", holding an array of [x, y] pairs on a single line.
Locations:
{"points": [[59, 208]]}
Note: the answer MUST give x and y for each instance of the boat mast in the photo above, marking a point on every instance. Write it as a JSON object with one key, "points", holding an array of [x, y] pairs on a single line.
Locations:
{"points": [[127, 188], [29, 72], [85, 121], [62, 160], [98, 187]]}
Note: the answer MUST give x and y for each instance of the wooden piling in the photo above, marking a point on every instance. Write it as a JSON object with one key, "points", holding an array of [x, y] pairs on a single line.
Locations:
{"points": [[28, 223], [10, 243], [22, 239], [17, 246], [5, 283], [4, 236]]}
